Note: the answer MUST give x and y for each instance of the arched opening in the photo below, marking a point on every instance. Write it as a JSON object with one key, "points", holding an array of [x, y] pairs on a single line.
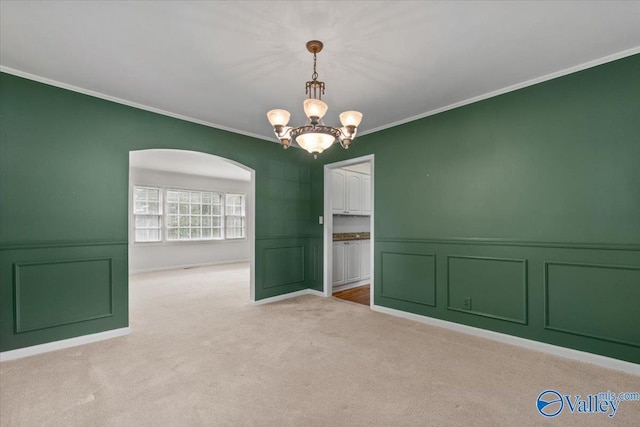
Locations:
{"points": [[190, 209]]}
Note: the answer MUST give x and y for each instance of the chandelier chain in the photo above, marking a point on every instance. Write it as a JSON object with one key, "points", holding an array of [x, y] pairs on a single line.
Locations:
{"points": [[314, 76]]}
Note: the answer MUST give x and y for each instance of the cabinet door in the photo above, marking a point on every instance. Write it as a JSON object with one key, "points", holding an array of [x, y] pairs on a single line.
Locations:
{"points": [[338, 277], [353, 261], [366, 194], [354, 193], [338, 191], [365, 259]]}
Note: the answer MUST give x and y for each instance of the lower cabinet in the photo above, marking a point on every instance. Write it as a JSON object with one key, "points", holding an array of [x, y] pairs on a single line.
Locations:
{"points": [[351, 261]]}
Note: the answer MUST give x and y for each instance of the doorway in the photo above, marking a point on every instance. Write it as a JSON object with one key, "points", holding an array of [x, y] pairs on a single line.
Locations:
{"points": [[189, 209], [341, 245]]}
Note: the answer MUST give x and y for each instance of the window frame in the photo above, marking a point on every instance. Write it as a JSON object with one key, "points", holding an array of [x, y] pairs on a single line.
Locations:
{"points": [[134, 215], [190, 214], [243, 217], [164, 221]]}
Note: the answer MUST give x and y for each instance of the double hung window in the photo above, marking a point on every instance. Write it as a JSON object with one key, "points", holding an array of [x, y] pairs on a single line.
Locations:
{"points": [[147, 213], [187, 215]]}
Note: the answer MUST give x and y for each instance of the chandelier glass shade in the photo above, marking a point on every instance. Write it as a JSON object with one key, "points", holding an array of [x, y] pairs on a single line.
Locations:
{"points": [[314, 136]]}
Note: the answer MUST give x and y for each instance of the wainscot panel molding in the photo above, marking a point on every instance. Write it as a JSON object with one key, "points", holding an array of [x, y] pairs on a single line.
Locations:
{"points": [[596, 301], [494, 287], [408, 277], [61, 290], [580, 296], [282, 265], [37, 286]]}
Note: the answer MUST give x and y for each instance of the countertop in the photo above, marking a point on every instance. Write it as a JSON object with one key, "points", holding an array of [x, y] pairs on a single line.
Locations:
{"points": [[338, 237]]}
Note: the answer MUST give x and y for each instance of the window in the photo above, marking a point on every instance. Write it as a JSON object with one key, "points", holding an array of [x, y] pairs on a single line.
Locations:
{"points": [[235, 216], [194, 215], [147, 212]]}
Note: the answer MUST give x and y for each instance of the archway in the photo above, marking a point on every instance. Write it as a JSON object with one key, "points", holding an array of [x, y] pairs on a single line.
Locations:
{"points": [[170, 231]]}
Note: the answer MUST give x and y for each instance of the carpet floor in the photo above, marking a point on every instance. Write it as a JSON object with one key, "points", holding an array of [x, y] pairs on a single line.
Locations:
{"points": [[201, 354]]}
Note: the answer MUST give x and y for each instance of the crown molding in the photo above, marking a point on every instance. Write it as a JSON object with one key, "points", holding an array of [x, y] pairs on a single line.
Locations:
{"points": [[128, 103], [551, 76]]}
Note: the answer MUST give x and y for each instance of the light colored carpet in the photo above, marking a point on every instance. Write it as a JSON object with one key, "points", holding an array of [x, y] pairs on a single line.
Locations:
{"points": [[200, 354]]}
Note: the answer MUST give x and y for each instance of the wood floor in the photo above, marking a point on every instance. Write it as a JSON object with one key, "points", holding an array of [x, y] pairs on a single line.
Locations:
{"points": [[359, 295]]}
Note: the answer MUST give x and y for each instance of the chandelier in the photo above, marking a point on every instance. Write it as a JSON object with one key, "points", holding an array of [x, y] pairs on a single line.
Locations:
{"points": [[314, 136]]}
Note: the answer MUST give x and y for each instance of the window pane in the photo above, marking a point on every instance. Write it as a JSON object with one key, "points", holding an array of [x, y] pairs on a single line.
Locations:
{"points": [[183, 197], [206, 210], [184, 208], [206, 197], [217, 210], [154, 207], [172, 221], [141, 235], [195, 209], [184, 234], [195, 221], [206, 221], [154, 235], [217, 233], [140, 208], [195, 197], [195, 233], [216, 222], [172, 196], [173, 234], [172, 208], [184, 221], [206, 233], [154, 194]]}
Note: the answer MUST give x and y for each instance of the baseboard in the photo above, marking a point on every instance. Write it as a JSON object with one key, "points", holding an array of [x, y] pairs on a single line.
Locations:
{"points": [[350, 285], [595, 359], [62, 344], [287, 296], [185, 266]]}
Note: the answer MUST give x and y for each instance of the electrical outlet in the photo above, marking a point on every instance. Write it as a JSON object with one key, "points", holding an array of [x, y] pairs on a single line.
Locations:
{"points": [[466, 303], [320, 220]]}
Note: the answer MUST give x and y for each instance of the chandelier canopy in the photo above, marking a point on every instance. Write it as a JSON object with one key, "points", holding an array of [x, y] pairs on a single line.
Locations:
{"points": [[314, 136]]}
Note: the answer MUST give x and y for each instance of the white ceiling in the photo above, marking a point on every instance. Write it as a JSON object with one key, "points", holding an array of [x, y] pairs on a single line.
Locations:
{"points": [[226, 63], [188, 162]]}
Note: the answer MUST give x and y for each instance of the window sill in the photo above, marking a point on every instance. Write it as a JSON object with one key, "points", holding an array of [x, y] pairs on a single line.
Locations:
{"points": [[188, 242]]}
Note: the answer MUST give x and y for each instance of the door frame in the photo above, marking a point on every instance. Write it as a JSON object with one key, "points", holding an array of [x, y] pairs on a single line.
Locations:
{"points": [[328, 222]]}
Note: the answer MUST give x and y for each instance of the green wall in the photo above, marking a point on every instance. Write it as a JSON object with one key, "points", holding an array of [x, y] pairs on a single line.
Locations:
{"points": [[527, 203], [63, 208]]}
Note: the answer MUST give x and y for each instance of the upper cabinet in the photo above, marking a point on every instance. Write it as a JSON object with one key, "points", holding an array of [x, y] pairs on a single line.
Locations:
{"points": [[351, 192], [338, 191], [366, 194]]}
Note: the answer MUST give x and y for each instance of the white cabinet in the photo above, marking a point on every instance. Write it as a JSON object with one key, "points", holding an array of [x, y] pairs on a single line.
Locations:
{"points": [[351, 261], [366, 194], [350, 192], [338, 266], [338, 191], [365, 259], [354, 192]]}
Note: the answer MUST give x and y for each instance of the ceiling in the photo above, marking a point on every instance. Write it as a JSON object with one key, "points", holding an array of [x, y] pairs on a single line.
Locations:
{"points": [[188, 162], [226, 63]]}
